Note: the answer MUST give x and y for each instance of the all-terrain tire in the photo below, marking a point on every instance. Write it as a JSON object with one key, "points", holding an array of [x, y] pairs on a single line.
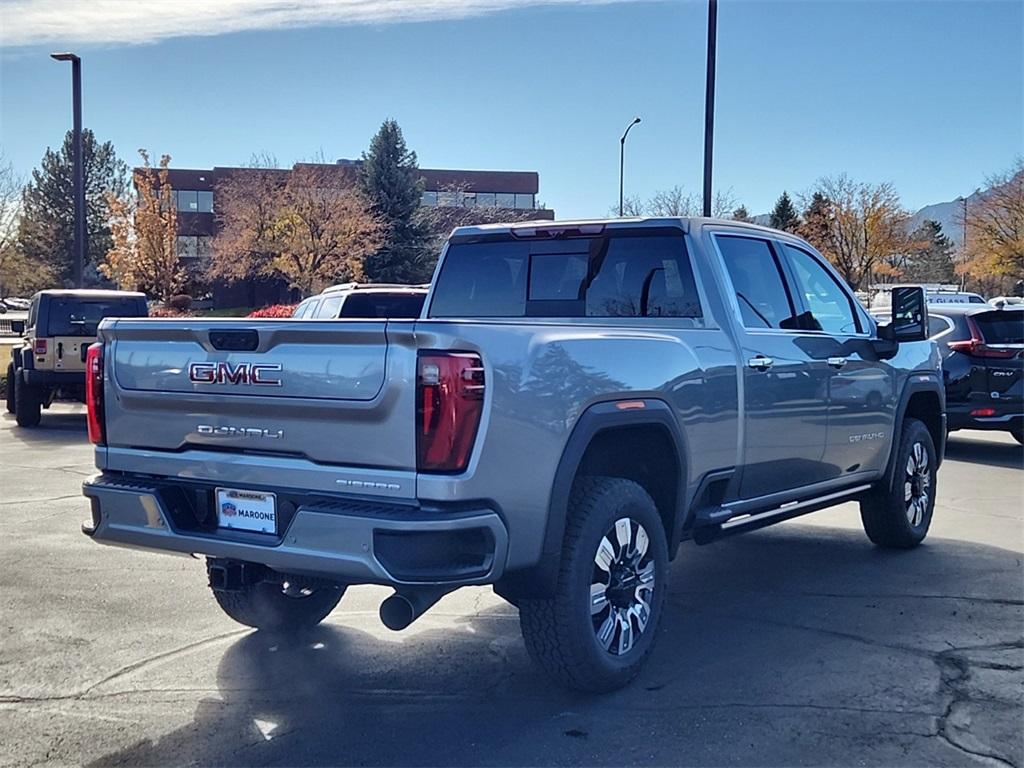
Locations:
{"points": [[28, 409], [10, 388], [266, 606], [899, 516], [562, 632]]}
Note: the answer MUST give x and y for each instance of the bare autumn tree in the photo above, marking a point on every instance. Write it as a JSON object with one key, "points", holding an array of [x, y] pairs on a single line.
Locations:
{"points": [[995, 232], [859, 227], [309, 226], [437, 222], [144, 233], [676, 201]]}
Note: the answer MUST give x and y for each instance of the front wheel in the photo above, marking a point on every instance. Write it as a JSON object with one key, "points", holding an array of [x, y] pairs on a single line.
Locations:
{"points": [[596, 631], [899, 516], [279, 607]]}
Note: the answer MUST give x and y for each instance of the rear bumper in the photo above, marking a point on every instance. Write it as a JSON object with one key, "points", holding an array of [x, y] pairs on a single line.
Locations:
{"points": [[36, 378], [1007, 416], [350, 542]]}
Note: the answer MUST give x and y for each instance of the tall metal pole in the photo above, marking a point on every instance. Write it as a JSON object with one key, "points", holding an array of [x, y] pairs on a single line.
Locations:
{"points": [[709, 103], [78, 180], [622, 161]]}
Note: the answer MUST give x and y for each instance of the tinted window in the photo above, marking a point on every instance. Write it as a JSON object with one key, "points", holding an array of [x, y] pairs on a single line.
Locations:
{"points": [[303, 309], [757, 280], [828, 304], [623, 275], [74, 317], [936, 325], [397, 305], [1003, 327], [329, 308]]}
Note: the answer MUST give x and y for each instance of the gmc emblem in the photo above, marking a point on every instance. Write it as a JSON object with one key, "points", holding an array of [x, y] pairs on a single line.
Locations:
{"points": [[241, 373]]}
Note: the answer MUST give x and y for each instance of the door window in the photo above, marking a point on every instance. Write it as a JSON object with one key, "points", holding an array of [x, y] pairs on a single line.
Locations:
{"points": [[329, 308], [830, 306], [757, 279]]}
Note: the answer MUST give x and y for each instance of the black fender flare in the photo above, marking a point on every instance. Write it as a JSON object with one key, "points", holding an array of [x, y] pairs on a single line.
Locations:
{"points": [[539, 580], [917, 382]]}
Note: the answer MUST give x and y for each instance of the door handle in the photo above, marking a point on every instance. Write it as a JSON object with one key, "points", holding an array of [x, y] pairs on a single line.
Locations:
{"points": [[837, 362], [760, 363]]}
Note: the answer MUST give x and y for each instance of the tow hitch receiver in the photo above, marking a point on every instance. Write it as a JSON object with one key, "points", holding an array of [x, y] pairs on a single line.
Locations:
{"points": [[234, 575]]}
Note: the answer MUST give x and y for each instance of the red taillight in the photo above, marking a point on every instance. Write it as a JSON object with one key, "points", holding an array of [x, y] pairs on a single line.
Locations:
{"points": [[977, 347], [40, 346], [449, 401], [94, 393], [983, 412]]}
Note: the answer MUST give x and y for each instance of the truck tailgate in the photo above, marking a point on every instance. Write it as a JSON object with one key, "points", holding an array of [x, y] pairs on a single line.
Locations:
{"points": [[329, 392]]}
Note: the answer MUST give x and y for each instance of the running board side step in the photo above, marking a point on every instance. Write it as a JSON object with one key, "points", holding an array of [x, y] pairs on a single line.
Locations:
{"points": [[739, 523]]}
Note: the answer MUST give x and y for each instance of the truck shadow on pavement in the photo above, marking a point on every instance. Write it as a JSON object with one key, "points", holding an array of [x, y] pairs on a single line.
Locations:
{"points": [[791, 645], [1009, 455]]}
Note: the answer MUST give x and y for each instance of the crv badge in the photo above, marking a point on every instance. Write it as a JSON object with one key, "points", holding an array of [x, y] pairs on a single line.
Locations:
{"points": [[240, 373]]}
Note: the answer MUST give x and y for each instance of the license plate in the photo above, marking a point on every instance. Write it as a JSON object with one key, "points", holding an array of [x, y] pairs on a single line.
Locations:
{"points": [[246, 510]]}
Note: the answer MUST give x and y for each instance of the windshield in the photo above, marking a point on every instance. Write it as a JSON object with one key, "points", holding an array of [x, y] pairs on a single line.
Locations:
{"points": [[75, 317]]}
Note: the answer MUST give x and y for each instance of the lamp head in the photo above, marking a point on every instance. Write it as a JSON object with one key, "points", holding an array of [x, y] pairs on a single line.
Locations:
{"points": [[64, 57]]}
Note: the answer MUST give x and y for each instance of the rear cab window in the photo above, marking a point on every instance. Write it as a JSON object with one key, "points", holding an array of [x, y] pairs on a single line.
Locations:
{"points": [[617, 274]]}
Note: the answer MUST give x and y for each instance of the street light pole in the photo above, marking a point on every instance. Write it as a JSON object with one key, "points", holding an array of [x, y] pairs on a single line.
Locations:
{"points": [[709, 102], [79, 161], [622, 161]]}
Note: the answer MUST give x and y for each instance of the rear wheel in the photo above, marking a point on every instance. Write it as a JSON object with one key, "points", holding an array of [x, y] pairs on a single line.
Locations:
{"points": [[10, 388], [899, 516], [279, 607], [27, 404], [596, 631]]}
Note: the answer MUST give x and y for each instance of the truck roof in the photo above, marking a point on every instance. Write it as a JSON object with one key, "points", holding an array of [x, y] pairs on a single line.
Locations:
{"points": [[90, 293], [593, 226]]}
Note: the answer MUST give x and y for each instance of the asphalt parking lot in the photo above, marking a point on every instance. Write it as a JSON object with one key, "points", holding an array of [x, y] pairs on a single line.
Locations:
{"points": [[798, 645]]}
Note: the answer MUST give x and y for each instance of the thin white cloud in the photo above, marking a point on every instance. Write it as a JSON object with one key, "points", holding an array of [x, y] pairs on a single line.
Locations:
{"points": [[34, 22]]}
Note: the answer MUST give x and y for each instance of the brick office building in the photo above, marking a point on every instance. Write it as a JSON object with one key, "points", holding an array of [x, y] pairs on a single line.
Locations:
{"points": [[195, 195]]}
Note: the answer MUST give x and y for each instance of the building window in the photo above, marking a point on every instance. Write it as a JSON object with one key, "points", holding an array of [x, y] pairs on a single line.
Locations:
{"points": [[524, 201], [429, 198], [448, 198], [485, 199], [188, 200], [206, 201], [505, 200], [468, 199], [192, 247]]}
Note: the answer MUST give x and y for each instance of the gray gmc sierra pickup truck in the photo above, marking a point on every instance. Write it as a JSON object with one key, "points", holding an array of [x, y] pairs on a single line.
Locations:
{"points": [[576, 400]]}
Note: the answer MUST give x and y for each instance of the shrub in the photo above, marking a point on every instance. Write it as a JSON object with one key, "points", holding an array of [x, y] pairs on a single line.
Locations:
{"points": [[160, 311], [275, 310], [181, 302]]}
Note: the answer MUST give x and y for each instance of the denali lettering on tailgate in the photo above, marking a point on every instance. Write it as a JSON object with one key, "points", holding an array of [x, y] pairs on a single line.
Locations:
{"points": [[241, 373]]}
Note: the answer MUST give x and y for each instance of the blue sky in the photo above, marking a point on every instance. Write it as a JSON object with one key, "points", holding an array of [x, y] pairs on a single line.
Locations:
{"points": [[927, 95]]}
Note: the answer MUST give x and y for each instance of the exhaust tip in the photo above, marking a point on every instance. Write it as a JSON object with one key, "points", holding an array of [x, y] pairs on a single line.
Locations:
{"points": [[397, 612]]}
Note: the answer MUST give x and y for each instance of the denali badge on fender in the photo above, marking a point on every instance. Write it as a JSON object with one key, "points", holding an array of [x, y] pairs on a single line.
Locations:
{"points": [[241, 373]]}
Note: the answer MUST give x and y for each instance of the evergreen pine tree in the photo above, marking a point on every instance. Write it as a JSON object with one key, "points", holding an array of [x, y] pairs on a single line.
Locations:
{"points": [[816, 226], [390, 180], [46, 229], [741, 214], [784, 215], [931, 255]]}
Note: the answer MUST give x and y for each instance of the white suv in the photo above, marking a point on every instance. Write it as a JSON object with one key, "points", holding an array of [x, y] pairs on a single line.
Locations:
{"points": [[366, 300]]}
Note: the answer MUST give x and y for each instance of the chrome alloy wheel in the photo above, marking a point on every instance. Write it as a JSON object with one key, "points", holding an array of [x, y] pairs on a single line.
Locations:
{"points": [[622, 586], [917, 484]]}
